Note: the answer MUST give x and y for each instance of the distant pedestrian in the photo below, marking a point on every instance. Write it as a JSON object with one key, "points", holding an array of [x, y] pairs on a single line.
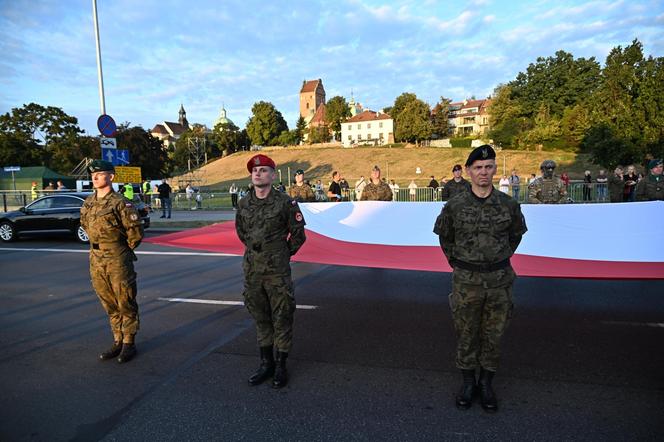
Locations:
{"points": [[61, 185], [376, 190], [587, 186], [33, 190], [456, 185], [412, 190], [617, 185], [602, 181], [504, 184], [334, 192], [515, 184], [233, 191], [165, 196]]}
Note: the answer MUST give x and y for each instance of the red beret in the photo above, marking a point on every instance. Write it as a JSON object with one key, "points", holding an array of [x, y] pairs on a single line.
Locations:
{"points": [[260, 160]]}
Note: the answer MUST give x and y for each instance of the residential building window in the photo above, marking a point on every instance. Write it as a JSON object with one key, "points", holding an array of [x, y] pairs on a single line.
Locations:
{"points": [[350, 138], [380, 124], [350, 127], [359, 126], [368, 136], [359, 137], [369, 126]]}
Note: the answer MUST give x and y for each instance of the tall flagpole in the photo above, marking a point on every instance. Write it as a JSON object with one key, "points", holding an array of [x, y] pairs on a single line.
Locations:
{"points": [[100, 76]]}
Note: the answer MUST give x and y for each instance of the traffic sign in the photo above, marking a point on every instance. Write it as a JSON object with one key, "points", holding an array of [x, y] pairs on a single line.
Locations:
{"points": [[108, 143], [12, 168], [118, 157], [106, 125], [127, 175]]}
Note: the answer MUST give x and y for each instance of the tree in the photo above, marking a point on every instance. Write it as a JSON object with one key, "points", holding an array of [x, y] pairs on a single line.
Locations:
{"points": [[414, 124], [505, 118], [266, 124], [440, 117], [608, 149], [145, 151], [288, 138], [300, 129], [226, 136], [336, 112]]}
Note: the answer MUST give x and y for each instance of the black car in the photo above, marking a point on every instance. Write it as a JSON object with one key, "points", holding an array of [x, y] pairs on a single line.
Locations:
{"points": [[52, 213]]}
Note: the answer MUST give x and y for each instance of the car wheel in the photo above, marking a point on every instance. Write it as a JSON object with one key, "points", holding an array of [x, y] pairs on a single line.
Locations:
{"points": [[7, 231], [82, 235]]}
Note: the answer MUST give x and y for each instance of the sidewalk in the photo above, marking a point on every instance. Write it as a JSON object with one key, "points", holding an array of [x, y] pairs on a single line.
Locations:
{"points": [[188, 219]]}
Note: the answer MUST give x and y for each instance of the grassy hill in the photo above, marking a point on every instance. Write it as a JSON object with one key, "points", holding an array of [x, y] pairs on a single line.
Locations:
{"points": [[397, 163]]}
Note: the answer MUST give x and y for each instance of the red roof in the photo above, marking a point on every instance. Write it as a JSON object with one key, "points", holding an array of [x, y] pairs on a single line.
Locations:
{"points": [[319, 117], [311, 85], [159, 129], [368, 115], [175, 128]]}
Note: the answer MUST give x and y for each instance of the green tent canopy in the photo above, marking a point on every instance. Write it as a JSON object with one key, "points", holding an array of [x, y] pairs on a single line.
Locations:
{"points": [[39, 174]]}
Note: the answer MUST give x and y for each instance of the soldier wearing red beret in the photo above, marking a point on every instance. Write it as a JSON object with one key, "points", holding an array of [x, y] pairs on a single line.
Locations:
{"points": [[271, 227]]}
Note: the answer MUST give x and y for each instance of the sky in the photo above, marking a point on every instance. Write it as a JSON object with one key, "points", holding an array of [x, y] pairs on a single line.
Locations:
{"points": [[205, 54]]}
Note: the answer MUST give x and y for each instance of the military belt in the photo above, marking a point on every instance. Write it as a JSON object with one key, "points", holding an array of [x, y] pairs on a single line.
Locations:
{"points": [[482, 268], [272, 245], [104, 246]]}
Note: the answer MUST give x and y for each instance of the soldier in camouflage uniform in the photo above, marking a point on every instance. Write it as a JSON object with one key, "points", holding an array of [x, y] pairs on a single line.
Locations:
{"points": [[616, 186], [271, 227], [479, 231], [376, 189], [455, 185], [651, 188], [547, 189], [301, 191], [115, 230]]}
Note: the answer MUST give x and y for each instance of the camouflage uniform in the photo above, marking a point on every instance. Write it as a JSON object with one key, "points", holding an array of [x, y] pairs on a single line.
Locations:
{"points": [[302, 194], [616, 188], [272, 230], [478, 238], [376, 192], [115, 230], [547, 191], [650, 188], [451, 188]]}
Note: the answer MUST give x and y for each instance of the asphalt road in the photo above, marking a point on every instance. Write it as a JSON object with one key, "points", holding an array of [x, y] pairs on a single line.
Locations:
{"points": [[583, 360]]}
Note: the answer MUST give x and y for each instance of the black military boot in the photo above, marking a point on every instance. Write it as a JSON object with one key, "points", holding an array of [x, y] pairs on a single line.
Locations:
{"points": [[487, 396], [127, 354], [280, 374], [468, 390], [111, 352], [266, 368]]}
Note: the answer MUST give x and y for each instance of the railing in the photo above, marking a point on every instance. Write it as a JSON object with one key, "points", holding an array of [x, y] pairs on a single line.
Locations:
{"points": [[578, 192]]}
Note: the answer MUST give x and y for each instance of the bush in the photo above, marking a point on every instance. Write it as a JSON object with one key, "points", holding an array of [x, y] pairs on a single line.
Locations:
{"points": [[461, 142]]}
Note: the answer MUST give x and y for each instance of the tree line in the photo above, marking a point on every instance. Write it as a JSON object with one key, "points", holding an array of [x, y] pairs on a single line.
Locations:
{"points": [[615, 113]]}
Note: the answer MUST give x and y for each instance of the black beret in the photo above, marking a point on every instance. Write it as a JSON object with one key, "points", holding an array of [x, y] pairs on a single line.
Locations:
{"points": [[484, 152], [101, 166]]}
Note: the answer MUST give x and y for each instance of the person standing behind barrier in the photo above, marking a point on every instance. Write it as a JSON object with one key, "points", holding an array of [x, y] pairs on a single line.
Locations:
{"points": [[115, 230], [433, 185], [233, 190], [601, 181], [412, 190], [33, 190], [156, 202], [165, 196], [631, 180], [617, 186], [359, 187], [334, 192], [479, 231], [651, 188], [271, 227], [515, 184], [455, 185], [376, 189], [301, 191], [394, 187], [504, 184], [547, 189], [587, 186], [146, 191]]}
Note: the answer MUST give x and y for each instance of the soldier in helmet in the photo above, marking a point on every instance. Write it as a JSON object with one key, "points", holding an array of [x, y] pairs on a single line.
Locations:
{"points": [[479, 231], [547, 189], [651, 188], [271, 227], [301, 191], [115, 230]]}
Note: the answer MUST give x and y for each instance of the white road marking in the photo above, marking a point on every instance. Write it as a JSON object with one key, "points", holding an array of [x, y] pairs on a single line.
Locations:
{"points": [[638, 324], [17, 249], [214, 301]]}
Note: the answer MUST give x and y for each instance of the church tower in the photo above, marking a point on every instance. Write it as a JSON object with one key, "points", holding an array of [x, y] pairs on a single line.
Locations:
{"points": [[312, 95], [182, 119]]}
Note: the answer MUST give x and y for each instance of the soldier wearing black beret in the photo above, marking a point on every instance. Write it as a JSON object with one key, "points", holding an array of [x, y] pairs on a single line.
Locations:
{"points": [[479, 232]]}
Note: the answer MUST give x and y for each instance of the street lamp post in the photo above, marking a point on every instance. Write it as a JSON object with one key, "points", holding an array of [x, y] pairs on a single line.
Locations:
{"points": [[100, 76]]}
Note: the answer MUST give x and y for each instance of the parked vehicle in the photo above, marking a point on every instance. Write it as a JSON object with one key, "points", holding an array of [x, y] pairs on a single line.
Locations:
{"points": [[60, 212]]}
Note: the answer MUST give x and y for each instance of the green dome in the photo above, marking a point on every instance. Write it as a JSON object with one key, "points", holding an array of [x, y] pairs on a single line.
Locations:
{"points": [[222, 118]]}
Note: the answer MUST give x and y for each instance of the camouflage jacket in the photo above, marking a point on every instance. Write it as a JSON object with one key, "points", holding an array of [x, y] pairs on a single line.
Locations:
{"points": [[451, 188], [616, 188], [302, 194], [111, 220], [272, 229], [480, 231], [376, 192], [547, 191], [650, 188]]}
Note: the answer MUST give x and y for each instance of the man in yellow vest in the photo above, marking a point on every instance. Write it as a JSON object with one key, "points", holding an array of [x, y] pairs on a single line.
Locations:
{"points": [[147, 190], [33, 190], [128, 191]]}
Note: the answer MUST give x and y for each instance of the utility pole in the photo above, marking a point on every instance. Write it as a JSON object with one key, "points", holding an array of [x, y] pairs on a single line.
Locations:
{"points": [[100, 76]]}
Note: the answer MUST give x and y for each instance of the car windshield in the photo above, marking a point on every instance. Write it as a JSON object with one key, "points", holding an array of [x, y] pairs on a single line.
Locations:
{"points": [[55, 202]]}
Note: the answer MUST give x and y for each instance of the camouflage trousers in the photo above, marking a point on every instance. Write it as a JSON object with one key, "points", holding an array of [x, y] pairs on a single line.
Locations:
{"points": [[271, 302], [114, 281], [481, 314]]}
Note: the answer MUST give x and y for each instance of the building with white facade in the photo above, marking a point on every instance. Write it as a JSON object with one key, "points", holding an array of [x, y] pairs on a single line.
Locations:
{"points": [[368, 128], [469, 117]]}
